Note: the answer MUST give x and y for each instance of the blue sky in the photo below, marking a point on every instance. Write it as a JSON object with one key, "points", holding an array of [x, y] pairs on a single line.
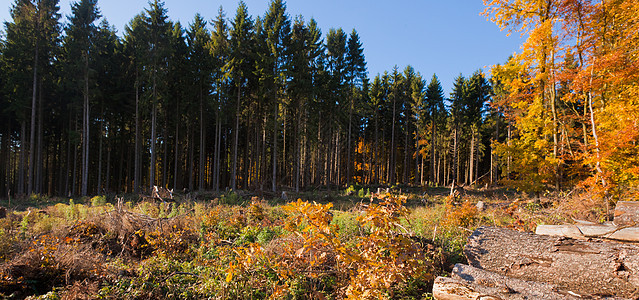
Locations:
{"points": [[445, 37]]}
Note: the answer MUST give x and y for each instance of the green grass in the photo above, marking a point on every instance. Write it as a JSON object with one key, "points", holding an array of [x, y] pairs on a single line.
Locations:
{"points": [[190, 250]]}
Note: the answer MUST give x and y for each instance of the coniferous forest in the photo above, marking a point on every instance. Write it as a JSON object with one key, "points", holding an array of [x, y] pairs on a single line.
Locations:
{"points": [[260, 103]]}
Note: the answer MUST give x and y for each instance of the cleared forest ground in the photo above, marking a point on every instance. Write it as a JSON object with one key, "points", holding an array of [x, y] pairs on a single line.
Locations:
{"points": [[327, 245]]}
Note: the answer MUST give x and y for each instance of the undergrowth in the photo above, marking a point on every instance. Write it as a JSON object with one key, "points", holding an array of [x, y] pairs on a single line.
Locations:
{"points": [[380, 246]]}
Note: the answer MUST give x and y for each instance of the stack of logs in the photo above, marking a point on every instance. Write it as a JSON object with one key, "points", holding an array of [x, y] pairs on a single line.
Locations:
{"points": [[559, 262]]}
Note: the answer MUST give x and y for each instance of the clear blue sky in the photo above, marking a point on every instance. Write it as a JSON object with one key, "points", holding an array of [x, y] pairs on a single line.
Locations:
{"points": [[446, 37]]}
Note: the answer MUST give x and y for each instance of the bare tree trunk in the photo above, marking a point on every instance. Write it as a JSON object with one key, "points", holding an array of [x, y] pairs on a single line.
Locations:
{"points": [[38, 171], [236, 139], [99, 185], [433, 157], [74, 182], [85, 128], [406, 166], [176, 151], [22, 163], [136, 167], [509, 142], [4, 159], [218, 141], [391, 165], [154, 114], [33, 120], [107, 185], [275, 134], [165, 151], [349, 141], [202, 142], [190, 141], [298, 145], [555, 125], [471, 161], [456, 167], [376, 164]]}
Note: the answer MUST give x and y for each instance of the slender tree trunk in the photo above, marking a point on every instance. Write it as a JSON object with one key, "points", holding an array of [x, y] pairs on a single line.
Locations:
{"points": [[376, 164], [176, 151], [275, 134], [509, 142], [263, 164], [153, 136], [85, 128], [136, 165], [555, 125], [67, 162], [456, 171], [165, 151], [33, 118], [190, 141], [433, 157], [596, 139], [471, 168], [218, 141], [74, 182], [202, 141], [246, 158], [236, 138], [349, 141], [99, 185], [406, 166], [107, 185], [39, 145], [283, 165], [298, 145], [4, 160], [23, 158], [391, 166]]}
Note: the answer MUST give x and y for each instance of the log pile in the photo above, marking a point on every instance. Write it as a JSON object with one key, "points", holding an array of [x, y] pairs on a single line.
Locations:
{"points": [[569, 262], [623, 228]]}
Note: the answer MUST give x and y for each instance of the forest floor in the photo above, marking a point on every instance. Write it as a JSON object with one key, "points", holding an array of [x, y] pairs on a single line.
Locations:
{"points": [[330, 244]]}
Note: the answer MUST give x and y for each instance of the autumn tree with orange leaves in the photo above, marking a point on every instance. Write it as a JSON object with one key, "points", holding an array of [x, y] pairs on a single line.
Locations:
{"points": [[571, 94]]}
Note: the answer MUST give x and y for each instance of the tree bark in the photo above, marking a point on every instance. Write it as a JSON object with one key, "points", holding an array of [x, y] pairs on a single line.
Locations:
{"points": [[136, 167], [202, 142], [391, 166], [275, 134], [33, 119], [85, 129], [471, 167], [154, 114], [627, 213], [349, 141], [39, 146], [584, 267], [235, 139], [99, 185], [586, 231], [470, 283]]}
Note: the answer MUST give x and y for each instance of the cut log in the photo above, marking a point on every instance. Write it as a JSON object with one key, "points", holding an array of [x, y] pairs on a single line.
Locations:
{"points": [[585, 267], [470, 283], [627, 213], [585, 231]]}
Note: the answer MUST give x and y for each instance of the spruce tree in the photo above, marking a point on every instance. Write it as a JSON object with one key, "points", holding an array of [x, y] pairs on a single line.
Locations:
{"points": [[200, 65], [79, 44], [434, 107], [239, 67]]}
